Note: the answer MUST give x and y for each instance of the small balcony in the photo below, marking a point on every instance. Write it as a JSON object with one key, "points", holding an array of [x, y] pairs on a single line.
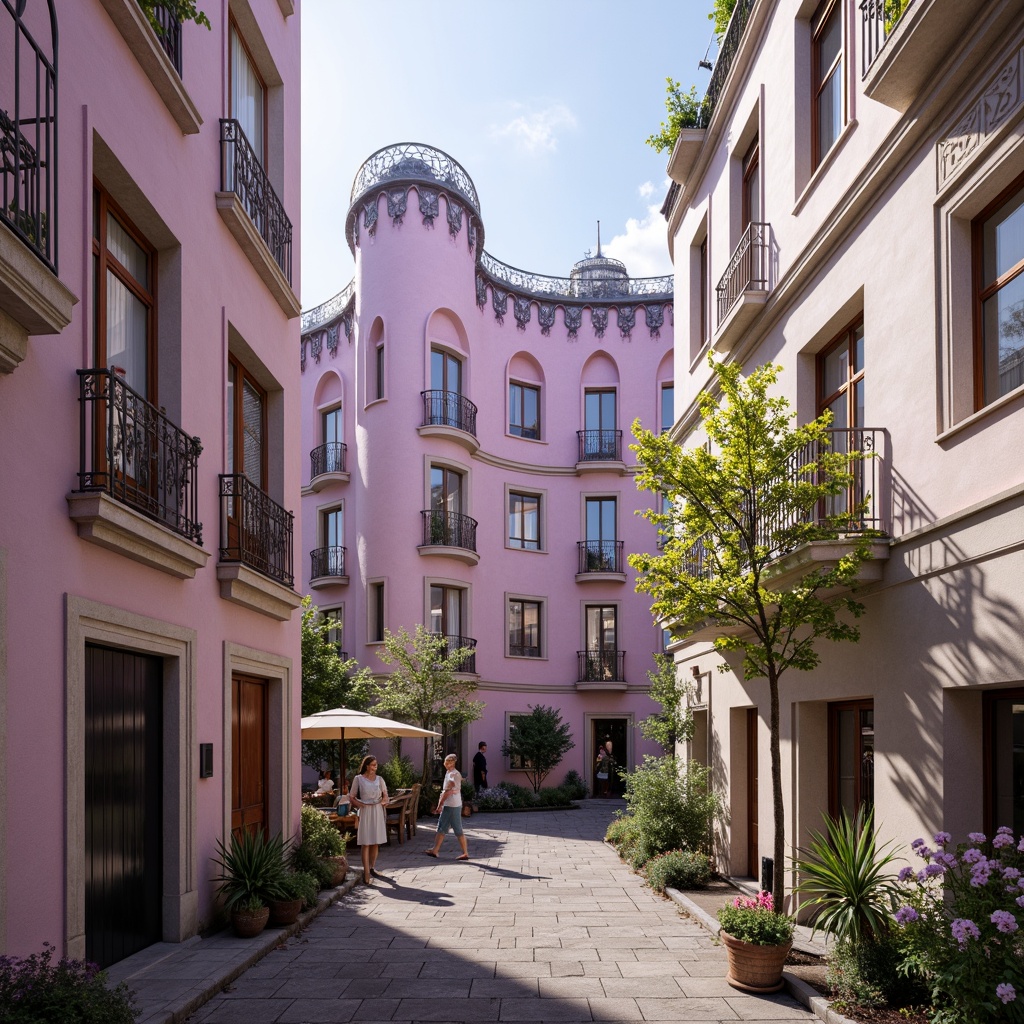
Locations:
{"points": [[743, 288], [327, 567], [599, 451], [601, 669], [255, 214], [137, 478], [327, 465], [450, 534], [256, 535], [454, 643], [449, 414], [168, 35], [600, 561]]}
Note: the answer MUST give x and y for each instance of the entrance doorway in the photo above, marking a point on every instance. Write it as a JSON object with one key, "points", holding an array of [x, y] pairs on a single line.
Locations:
{"points": [[248, 754], [123, 775], [601, 731]]}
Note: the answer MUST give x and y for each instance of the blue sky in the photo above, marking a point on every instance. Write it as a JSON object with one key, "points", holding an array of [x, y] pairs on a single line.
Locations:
{"points": [[545, 103]]}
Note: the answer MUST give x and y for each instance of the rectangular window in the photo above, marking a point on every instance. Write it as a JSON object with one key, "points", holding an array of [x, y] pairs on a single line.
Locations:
{"points": [[1004, 759], [851, 757], [999, 297], [248, 97], [445, 372], [524, 521], [668, 411], [524, 411], [602, 660], [379, 391], [599, 410], [376, 613], [751, 211], [331, 528], [841, 391], [335, 617], [446, 613], [247, 425], [524, 628], [827, 106], [704, 290], [331, 424], [445, 489]]}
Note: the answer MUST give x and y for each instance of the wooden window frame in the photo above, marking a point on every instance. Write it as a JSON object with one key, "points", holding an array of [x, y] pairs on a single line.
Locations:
{"points": [[614, 392], [988, 699], [510, 541], [446, 589], [751, 167], [242, 375], [325, 414], [375, 608], [844, 337], [587, 500], [834, 809], [586, 609], [540, 626], [449, 357], [819, 79], [512, 428], [981, 294], [233, 27], [704, 322]]}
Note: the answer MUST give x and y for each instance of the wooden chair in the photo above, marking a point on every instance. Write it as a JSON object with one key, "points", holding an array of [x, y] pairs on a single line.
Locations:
{"points": [[396, 816], [414, 810]]}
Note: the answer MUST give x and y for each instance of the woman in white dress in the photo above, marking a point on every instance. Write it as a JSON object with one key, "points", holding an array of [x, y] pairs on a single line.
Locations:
{"points": [[369, 796]]}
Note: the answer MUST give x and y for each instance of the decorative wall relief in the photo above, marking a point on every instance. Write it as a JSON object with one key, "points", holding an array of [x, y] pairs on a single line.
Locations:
{"points": [[481, 291], [988, 112], [626, 319], [654, 314], [546, 316], [599, 321], [346, 322], [370, 215], [428, 205], [398, 200], [332, 340], [499, 300], [521, 310], [454, 217], [302, 355], [316, 344], [573, 316]]}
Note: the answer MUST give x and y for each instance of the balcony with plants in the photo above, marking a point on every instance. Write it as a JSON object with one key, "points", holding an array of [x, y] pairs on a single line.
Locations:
{"points": [[601, 669], [328, 465], [449, 414], [449, 534], [600, 561]]}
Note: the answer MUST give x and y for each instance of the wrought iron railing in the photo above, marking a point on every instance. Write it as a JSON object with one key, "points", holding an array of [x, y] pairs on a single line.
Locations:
{"points": [[747, 270], [242, 172], [877, 20], [328, 458], [130, 450], [670, 200], [168, 32], [327, 311], [454, 642], [544, 286], [601, 666], [328, 561], [28, 132], [599, 556], [449, 409], [451, 529], [524, 650], [599, 445], [727, 50], [254, 529]]}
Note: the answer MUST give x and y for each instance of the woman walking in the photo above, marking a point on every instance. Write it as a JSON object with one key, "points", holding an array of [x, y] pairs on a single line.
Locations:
{"points": [[369, 795], [449, 806]]}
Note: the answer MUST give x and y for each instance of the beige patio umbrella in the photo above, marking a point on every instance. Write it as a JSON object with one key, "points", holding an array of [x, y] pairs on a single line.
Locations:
{"points": [[344, 723]]}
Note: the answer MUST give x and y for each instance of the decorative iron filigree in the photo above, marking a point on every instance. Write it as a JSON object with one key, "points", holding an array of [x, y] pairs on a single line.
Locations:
{"points": [[499, 300], [573, 316], [626, 319], [599, 320], [471, 235], [521, 310], [332, 340], [346, 322], [316, 344], [428, 205], [454, 217], [398, 201], [654, 314], [370, 216], [546, 317], [329, 310], [481, 291], [412, 161], [723, 63], [302, 355]]}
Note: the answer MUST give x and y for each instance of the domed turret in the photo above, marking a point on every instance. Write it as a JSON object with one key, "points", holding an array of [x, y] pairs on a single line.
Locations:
{"points": [[599, 277]]}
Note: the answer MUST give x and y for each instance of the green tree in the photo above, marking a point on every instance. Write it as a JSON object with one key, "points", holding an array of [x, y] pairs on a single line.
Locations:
{"points": [[754, 492], [426, 688], [721, 12], [539, 741], [327, 682], [674, 722], [183, 10], [684, 111]]}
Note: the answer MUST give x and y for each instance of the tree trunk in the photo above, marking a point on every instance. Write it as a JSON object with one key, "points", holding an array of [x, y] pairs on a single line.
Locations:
{"points": [[778, 809]]}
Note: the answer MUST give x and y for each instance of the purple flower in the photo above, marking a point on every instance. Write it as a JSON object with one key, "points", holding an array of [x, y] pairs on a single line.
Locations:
{"points": [[1006, 992], [934, 869], [1004, 921], [972, 856], [916, 843], [924, 851], [1011, 874], [1002, 840], [964, 929], [1004, 830], [980, 874], [949, 859], [976, 837], [1020, 845], [941, 838], [905, 915], [1019, 901], [905, 873]]}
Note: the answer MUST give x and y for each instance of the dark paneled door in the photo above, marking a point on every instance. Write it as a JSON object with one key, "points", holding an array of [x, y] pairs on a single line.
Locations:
{"points": [[752, 841], [248, 754], [123, 813]]}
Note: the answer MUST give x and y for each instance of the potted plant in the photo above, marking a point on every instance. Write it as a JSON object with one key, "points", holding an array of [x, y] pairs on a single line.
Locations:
{"points": [[757, 939], [285, 910], [323, 840], [468, 798], [252, 873]]}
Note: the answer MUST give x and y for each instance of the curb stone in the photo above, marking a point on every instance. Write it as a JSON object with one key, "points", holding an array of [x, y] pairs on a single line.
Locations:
{"points": [[796, 987]]}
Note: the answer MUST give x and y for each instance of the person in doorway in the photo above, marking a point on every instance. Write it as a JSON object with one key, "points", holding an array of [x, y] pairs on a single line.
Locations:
{"points": [[325, 785], [605, 766], [480, 768], [449, 806], [368, 794]]}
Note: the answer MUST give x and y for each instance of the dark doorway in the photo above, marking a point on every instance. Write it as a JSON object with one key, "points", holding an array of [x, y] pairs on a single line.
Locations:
{"points": [[752, 839], [248, 754], [123, 810], [602, 730]]}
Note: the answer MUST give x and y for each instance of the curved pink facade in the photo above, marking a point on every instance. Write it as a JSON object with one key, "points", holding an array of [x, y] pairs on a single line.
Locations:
{"points": [[419, 279]]}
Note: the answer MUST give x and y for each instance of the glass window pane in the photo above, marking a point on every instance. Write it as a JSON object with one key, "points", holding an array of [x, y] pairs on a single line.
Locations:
{"points": [[858, 349], [830, 112], [846, 759], [1003, 336], [231, 417], [252, 441], [835, 370], [437, 609], [515, 405], [667, 406], [830, 40], [127, 251], [531, 412], [1007, 760], [1003, 240], [247, 104], [437, 371], [127, 334], [332, 426]]}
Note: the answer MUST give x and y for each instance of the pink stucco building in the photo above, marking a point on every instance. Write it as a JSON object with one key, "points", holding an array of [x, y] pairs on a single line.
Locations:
{"points": [[149, 197], [465, 427]]}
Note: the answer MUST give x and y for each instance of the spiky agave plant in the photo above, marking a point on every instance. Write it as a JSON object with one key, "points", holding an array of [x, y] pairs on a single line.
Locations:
{"points": [[252, 869]]}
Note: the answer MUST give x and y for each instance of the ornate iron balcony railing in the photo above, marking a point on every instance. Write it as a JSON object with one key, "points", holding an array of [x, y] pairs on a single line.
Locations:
{"points": [[454, 643], [169, 34], [747, 270], [254, 529], [727, 50], [601, 666], [327, 311], [328, 561], [130, 450], [328, 458], [449, 409], [28, 132], [242, 173], [524, 651], [877, 20], [599, 556], [599, 445], [450, 529]]}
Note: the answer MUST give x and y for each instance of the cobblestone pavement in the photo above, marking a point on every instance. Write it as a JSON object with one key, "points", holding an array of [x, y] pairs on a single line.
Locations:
{"points": [[545, 923]]}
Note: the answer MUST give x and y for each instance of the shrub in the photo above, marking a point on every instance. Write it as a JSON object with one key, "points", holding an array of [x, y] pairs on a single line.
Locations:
{"points": [[554, 796], [319, 835], [397, 773], [625, 834], [868, 974], [961, 917], [305, 861], [494, 799], [678, 869], [468, 791], [36, 989], [575, 785], [519, 795], [754, 919], [302, 885]]}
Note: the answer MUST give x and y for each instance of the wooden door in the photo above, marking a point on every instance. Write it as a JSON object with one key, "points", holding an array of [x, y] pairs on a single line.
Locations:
{"points": [[123, 775], [248, 754], [752, 846]]}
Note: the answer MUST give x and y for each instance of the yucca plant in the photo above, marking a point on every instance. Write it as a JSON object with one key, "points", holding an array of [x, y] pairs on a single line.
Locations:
{"points": [[252, 869], [843, 876]]}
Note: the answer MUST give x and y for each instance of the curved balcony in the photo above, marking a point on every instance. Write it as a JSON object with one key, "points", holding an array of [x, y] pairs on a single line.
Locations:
{"points": [[602, 669], [600, 561], [454, 643], [599, 450], [327, 465], [327, 567], [449, 533], [449, 414]]}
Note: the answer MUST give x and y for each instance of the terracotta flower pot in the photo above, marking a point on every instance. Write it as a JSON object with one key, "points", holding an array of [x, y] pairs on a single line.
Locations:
{"points": [[340, 866], [755, 968], [284, 912], [249, 923], [466, 810]]}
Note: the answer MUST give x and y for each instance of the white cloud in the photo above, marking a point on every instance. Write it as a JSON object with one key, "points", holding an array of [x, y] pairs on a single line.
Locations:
{"points": [[646, 190], [537, 131], [643, 246]]}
